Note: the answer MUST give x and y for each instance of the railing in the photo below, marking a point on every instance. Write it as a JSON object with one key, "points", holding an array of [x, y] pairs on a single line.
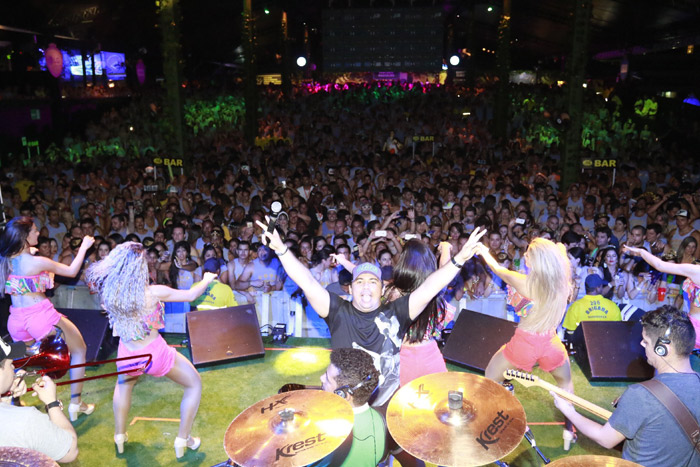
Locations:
{"points": [[279, 307]]}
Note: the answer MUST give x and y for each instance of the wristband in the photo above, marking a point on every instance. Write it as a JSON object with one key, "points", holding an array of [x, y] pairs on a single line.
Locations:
{"points": [[53, 404], [460, 266], [284, 253]]}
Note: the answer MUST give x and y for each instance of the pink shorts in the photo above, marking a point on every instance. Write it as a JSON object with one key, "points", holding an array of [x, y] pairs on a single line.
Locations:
{"points": [[162, 362], [32, 322], [525, 349], [419, 360], [696, 324]]}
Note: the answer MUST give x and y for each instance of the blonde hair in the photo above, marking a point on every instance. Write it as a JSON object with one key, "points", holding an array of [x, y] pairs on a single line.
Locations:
{"points": [[122, 282], [548, 285]]}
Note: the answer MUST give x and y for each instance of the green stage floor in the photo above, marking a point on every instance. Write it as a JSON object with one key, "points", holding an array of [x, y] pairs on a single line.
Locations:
{"points": [[230, 388]]}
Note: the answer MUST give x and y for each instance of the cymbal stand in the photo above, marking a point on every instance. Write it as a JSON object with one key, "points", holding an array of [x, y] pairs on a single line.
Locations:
{"points": [[531, 439], [227, 463], [3, 219]]}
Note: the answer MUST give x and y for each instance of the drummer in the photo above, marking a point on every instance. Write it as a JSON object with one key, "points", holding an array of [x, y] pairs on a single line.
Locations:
{"points": [[25, 427], [367, 323], [352, 376]]}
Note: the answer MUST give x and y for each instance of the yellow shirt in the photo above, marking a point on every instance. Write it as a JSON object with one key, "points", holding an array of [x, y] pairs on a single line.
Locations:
{"points": [[591, 308], [217, 295]]}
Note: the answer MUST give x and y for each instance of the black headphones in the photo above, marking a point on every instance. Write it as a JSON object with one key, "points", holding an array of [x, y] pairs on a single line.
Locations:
{"points": [[661, 346], [345, 391]]}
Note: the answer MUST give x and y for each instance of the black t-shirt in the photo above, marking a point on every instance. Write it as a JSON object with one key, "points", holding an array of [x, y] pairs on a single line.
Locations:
{"points": [[377, 332]]}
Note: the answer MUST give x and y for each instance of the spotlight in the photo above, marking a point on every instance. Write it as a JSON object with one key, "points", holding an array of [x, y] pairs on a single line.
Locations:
{"points": [[301, 62], [454, 60], [489, 9], [267, 11]]}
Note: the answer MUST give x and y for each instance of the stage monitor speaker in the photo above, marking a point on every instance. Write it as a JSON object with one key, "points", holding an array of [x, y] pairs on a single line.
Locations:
{"points": [[224, 335], [611, 351], [475, 338], [94, 326]]}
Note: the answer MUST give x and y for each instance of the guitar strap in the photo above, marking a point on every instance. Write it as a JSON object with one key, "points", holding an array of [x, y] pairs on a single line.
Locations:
{"points": [[679, 411]]}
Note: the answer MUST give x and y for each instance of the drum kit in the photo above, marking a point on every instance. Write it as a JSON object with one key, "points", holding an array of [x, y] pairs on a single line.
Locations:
{"points": [[456, 419], [11, 456]]}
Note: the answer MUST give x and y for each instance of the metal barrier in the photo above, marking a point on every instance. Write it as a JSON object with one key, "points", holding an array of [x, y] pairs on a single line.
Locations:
{"points": [[75, 296]]}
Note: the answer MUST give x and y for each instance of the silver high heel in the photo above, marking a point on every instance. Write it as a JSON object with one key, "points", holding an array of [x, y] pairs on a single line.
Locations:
{"points": [[119, 440], [182, 443], [76, 409]]}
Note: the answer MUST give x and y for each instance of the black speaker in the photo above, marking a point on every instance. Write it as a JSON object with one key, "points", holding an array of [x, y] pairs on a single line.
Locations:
{"points": [[475, 338], [94, 326], [611, 351], [5, 303], [224, 335]]}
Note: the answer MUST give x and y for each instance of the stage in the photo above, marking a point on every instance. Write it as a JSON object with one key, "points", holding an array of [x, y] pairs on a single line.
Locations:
{"points": [[230, 388]]}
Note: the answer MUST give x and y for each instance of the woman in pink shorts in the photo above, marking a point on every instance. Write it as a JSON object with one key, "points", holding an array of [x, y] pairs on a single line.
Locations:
{"points": [[135, 311], [32, 316], [543, 296]]}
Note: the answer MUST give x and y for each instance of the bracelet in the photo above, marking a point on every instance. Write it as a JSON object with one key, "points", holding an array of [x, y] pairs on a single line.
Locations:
{"points": [[284, 253], [460, 266]]}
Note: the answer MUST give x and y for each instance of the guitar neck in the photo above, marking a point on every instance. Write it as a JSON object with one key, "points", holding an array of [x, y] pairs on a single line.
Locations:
{"points": [[574, 399]]}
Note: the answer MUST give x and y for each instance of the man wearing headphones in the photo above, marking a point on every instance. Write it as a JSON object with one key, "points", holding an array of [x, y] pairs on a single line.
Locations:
{"points": [[651, 433], [352, 376]]}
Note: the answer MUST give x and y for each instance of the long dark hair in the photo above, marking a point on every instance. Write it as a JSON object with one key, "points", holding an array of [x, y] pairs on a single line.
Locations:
{"points": [[415, 264], [607, 273], [174, 270], [12, 241], [320, 255]]}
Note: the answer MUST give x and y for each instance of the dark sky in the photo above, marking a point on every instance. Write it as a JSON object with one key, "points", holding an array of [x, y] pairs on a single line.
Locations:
{"points": [[211, 29]]}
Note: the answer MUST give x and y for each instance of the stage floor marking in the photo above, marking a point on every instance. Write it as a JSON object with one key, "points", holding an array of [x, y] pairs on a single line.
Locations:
{"points": [[150, 419]]}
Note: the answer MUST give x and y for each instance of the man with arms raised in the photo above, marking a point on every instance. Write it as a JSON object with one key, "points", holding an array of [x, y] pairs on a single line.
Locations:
{"points": [[366, 322], [651, 434]]}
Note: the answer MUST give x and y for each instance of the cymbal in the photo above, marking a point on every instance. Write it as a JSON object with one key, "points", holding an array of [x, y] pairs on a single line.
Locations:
{"points": [[593, 461], [483, 427], [19, 457], [289, 430]]}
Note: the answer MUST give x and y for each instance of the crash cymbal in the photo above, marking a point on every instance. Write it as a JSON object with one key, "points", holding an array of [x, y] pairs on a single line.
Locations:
{"points": [[289, 430], [20, 457], [429, 421], [593, 461]]}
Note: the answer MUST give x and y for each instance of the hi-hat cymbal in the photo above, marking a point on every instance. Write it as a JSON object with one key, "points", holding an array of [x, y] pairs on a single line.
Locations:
{"points": [[436, 427], [289, 430], [592, 461], [21, 457]]}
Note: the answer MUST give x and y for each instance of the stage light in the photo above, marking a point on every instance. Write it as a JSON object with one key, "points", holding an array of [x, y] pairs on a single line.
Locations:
{"points": [[302, 361], [301, 62], [585, 85], [489, 9], [454, 60], [267, 11]]}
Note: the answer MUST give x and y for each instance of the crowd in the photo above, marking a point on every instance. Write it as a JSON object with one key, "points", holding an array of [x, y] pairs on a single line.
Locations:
{"points": [[365, 174]]}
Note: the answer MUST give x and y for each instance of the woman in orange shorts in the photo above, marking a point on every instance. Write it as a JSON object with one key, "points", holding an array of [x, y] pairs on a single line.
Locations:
{"points": [[32, 315], [135, 311], [540, 298]]}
